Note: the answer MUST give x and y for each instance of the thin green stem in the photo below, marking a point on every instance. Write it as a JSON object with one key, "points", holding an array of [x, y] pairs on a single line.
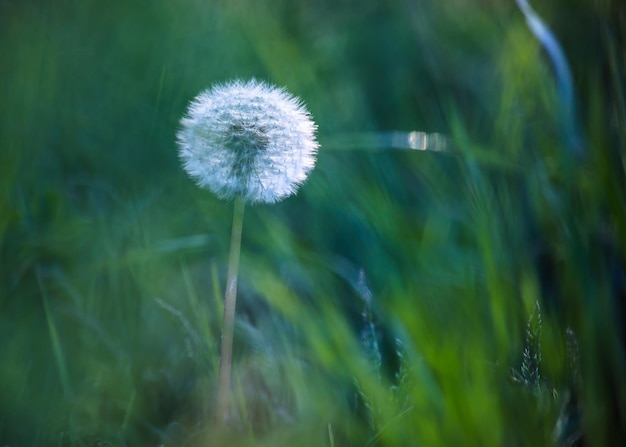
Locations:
{"points": [[230, 301], [55, 339]]}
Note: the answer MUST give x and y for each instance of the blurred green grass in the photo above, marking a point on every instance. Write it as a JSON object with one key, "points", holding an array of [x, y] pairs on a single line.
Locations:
{"points": [[112, 262]]}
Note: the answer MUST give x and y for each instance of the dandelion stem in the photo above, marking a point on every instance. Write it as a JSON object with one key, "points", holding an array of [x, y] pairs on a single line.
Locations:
{"points": [[230, 301]]}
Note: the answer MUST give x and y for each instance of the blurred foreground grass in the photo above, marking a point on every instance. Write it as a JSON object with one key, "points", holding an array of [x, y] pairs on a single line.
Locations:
{"points": [[468, 297]]}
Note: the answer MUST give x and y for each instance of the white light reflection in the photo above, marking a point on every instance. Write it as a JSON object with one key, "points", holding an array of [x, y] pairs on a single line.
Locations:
{"points": [[415, 140], [422, 141]]}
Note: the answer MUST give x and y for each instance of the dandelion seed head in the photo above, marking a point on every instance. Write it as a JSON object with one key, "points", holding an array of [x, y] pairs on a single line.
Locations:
{"points": [[248, 139]]}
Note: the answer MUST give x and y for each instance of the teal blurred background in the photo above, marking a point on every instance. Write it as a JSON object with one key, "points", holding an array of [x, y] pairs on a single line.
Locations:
{"points": [[112, 261]]}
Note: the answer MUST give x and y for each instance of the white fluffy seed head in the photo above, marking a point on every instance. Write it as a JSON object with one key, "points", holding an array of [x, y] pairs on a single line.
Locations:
{"points": [[248, 139]]}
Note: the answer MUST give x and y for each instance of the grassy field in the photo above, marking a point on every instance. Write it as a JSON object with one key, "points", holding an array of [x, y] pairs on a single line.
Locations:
{"points": [[470, 294]]}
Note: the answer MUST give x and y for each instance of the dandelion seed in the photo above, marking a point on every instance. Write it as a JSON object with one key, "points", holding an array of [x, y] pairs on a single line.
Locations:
{"points": [[249, 140]]}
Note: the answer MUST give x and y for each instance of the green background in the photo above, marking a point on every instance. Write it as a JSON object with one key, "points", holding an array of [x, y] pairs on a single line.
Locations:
{"points": [[112, 261]]}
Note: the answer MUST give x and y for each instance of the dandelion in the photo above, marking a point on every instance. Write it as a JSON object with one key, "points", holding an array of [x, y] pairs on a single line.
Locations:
{"points": [[250, 142]]}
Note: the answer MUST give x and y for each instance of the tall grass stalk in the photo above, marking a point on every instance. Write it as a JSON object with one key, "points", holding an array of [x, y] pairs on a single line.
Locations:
{"points": [[57, 349]]}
